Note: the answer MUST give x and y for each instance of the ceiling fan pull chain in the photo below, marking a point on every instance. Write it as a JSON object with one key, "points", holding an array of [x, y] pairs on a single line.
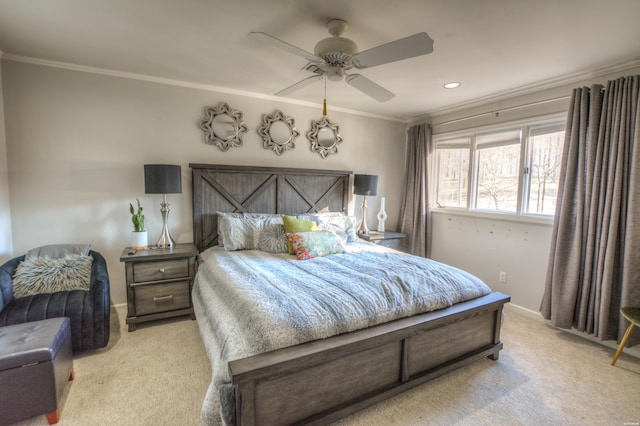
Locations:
{"points": [[324, 106]]}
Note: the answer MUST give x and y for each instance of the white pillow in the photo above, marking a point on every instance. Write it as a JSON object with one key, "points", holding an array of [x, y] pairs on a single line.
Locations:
{"points": [[236, 232]]}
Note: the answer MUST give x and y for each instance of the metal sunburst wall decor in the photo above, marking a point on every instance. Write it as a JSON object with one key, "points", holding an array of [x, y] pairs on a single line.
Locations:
{"points": [[223, 126]]}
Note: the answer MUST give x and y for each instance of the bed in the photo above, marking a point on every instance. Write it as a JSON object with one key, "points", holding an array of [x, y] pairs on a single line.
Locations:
{"points": [[283, 373]]}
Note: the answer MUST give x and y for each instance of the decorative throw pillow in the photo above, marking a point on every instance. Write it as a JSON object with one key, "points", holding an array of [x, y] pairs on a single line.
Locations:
{"points": [[345, 223], [293, 224], [49, 275], [335, 229], [308, 245], [272, 239], [334, 221]]}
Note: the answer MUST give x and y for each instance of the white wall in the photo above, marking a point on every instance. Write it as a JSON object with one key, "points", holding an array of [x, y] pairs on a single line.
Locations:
{"points": [[77, 142], [6, 247], [486, 246]]}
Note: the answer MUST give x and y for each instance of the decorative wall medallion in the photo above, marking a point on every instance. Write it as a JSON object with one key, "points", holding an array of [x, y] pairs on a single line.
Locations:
{"points": [[278, 132], [223, 126], [324, 137]]}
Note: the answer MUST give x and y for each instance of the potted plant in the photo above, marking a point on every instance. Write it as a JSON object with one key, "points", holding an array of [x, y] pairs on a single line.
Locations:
{"points": [[139, 237]]}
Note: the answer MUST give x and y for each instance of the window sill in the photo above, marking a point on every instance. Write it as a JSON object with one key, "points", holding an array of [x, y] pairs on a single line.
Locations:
{"points": [[507, 217]]}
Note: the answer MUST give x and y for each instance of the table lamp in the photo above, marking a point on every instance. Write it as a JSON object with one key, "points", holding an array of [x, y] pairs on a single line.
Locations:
{"points": [[163, 179], [365, 185]]}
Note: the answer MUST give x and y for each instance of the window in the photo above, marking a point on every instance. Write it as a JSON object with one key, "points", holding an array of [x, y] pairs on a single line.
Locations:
{"points": [[453, 173], [513, 170], [498, 164], [545, 143]]}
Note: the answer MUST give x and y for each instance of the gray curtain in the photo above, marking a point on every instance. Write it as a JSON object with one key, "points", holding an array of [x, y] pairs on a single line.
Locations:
{"points": [[594, 265], [415, 219]]}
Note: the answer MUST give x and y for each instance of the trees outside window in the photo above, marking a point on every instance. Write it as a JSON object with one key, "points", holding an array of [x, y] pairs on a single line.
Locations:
{"points": [[498, 178], [453, 174], [544, 167]]}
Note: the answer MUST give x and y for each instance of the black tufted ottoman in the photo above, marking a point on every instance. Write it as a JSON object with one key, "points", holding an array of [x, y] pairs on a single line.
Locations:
{"points": [[35, 364]]}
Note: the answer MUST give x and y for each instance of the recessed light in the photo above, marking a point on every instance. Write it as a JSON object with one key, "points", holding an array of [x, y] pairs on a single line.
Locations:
{"points": [[451, 85]]}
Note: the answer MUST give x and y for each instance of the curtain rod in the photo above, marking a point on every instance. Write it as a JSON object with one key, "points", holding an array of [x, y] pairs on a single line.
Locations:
{"points": [[497, 112]]}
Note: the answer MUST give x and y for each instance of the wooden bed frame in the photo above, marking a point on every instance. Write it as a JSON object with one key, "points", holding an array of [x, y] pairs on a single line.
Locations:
{"points": [[321, 381]]}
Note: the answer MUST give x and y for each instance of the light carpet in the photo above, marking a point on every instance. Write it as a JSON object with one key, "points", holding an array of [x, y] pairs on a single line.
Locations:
{"points": [[158, 375]]}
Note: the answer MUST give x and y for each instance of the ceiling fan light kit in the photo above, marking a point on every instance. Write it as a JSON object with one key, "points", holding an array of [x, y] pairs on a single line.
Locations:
{"points": [[334, 56], [335, 73]]}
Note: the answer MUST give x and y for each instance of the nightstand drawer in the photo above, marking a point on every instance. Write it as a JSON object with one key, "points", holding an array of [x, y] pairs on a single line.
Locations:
{"points": [[150, 299], [394, 240], [160, 270], [395, 243]]}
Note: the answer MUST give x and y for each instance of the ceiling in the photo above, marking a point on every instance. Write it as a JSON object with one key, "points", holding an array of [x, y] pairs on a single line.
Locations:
{"points": [[491, 46]]}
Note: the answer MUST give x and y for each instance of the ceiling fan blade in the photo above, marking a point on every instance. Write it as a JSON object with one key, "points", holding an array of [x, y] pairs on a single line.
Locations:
{"points": [[404, 48], [299, 85], [286, 46], [369, 88]]}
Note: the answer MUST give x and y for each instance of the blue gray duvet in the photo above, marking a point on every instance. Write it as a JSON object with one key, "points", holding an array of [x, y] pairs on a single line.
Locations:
{"points": [[249, 302]]}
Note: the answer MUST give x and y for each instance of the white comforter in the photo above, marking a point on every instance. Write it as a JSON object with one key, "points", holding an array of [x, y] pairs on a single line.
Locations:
{"points": [[249, 302]]}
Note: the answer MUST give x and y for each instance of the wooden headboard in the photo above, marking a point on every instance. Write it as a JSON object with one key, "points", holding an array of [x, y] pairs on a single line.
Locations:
{"points": [[244, 189]]}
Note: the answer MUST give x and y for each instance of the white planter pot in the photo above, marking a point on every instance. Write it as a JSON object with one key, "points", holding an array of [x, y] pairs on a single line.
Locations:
{"points": [[139, 240]]}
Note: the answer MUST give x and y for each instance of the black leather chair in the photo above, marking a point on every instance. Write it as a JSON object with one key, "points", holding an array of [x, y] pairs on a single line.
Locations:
{"points": [[88, 310]]}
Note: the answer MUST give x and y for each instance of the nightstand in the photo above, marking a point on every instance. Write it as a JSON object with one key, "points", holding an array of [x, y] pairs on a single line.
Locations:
{"points": [[389, 239], [159, 282]]}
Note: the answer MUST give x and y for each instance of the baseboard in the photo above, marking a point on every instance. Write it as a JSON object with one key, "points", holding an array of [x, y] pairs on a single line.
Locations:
{"points": [[524, 311], [633, 351]]}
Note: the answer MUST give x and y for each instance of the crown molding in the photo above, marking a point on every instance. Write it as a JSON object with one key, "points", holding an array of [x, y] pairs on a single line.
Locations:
{"points": [[527, 90], [185, 84]]}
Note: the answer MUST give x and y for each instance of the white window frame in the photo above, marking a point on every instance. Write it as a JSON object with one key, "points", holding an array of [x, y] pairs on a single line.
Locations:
{"points": [[443, 140], [475, 167], [552, 126], [455, 143]]}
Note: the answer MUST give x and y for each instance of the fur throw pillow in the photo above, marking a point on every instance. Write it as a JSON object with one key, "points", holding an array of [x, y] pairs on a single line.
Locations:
{"points": [[49, 275]]}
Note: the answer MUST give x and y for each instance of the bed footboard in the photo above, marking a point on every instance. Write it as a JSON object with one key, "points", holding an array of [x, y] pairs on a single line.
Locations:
{"points": [[321, 381]]}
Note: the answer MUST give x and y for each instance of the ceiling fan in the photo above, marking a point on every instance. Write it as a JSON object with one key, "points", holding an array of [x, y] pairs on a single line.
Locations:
{"points": [[334, 56]]}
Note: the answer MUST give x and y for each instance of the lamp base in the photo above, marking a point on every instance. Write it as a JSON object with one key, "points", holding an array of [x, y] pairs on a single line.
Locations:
{"points": [[364, 229], [165, 241]]}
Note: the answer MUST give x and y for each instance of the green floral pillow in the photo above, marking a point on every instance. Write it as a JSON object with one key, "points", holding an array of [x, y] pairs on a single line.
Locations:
{"points": [[307, 245], [293, 224]]}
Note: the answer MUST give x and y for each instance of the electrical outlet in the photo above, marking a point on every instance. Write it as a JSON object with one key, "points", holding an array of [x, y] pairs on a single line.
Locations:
{"points": [[503, 277]]}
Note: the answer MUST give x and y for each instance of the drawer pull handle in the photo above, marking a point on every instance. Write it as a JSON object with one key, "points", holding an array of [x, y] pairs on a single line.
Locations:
{"points": [[161, 270], [163, 298]]}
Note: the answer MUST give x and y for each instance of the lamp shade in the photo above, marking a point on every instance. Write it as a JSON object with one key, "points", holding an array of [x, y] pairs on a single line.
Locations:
{"points": [[365, 184], [162, 179]]}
